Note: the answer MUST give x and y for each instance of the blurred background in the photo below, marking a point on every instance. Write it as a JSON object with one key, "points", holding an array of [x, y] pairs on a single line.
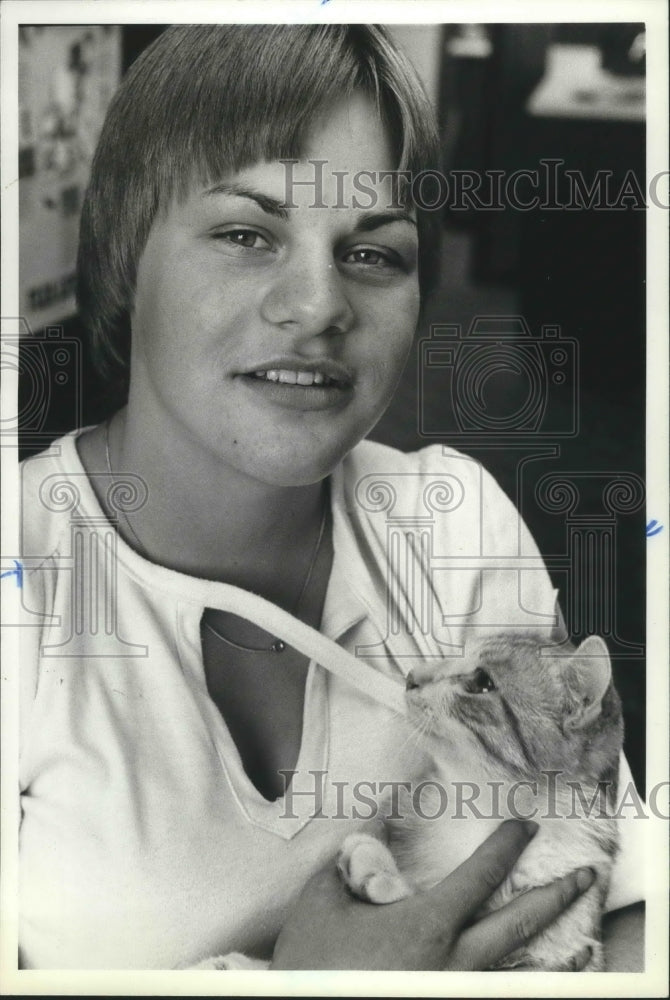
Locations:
{"points": [[551, 298]]}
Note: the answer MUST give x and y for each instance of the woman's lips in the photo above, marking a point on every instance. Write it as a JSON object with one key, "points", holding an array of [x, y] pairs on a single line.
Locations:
{"points": [[299, 388], [292, 377]]}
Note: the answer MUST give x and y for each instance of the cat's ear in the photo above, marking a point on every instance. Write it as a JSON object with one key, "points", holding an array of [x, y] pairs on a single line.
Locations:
{"points": [[588, 676]]}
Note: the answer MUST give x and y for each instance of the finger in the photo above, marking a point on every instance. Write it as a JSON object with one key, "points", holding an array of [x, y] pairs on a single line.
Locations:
{"points": [[497, 935], [471, 884]]}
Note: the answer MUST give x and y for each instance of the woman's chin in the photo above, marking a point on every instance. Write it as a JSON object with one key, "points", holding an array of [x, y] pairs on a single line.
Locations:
{"points": [[296, 474], [296, 466]]}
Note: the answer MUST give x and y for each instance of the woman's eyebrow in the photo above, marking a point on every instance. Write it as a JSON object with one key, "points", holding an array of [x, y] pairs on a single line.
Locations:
{"points": [[272, 206], [373, 220]]}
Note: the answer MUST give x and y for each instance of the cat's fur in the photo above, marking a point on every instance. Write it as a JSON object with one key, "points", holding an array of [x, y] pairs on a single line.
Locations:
{"points": [[557, 713]]}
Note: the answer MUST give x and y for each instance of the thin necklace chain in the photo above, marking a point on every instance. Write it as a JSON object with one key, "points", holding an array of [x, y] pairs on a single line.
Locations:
{"points": [[278, 645]]}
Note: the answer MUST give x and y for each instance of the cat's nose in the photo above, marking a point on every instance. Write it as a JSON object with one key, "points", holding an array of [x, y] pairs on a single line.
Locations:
{"points": [[419, 675]]}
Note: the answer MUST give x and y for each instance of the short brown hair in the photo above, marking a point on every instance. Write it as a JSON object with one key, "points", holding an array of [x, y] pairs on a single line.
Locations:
{"points": [[206, 100]]}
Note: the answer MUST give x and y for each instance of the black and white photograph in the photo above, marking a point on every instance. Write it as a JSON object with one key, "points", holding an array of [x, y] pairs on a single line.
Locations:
{"points": [[335, 498]]}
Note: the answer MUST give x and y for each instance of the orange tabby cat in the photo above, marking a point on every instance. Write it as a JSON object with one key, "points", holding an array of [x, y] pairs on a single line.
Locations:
{"points": [[513, 726]]}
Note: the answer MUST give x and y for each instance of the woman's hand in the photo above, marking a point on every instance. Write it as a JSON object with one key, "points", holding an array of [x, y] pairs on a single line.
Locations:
{"points": [[330, 929]]}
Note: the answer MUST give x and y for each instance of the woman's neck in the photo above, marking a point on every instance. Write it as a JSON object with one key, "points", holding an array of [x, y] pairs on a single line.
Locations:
{"points": [[207, 519]]}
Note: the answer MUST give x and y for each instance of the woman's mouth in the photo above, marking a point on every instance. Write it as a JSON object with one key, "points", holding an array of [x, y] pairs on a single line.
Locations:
{"points": [[294, 378], [301, 386]]}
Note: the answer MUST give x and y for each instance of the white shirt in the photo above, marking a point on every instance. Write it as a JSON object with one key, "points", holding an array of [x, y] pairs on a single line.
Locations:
{"points": [[143, 842]]}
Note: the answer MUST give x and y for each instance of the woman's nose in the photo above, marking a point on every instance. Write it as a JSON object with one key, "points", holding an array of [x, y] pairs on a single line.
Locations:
{"points": [[308, 295]]}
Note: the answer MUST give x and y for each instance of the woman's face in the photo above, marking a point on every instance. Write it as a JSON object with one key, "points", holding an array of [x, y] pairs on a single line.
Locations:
{"points": [[272, 338]]}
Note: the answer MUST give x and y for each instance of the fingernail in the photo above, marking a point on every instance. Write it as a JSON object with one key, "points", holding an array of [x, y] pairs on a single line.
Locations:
{"points": [[531, 828], [585, 878]]}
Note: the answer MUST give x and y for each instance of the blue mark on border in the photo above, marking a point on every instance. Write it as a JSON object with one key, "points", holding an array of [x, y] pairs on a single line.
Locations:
{"points": [[653, 528], [17, 572]]}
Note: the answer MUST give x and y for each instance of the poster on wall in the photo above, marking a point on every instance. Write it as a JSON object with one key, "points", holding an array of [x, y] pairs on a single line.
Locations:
{"points": [[67, 75]]}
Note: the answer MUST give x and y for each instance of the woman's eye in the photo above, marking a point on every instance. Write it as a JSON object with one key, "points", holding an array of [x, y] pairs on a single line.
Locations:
{"points": [[480, 683], [245, 239], [371, 258]]}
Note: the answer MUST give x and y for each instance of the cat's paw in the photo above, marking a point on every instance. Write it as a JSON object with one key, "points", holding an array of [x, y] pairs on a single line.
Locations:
{"points": [[367, 867]]}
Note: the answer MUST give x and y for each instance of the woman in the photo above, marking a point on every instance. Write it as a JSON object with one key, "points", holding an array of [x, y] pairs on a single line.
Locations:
{"points": [[261, 311]]}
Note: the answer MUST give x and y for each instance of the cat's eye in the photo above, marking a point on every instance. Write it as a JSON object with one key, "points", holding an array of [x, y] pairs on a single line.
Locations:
{"points": [[480, 683]]}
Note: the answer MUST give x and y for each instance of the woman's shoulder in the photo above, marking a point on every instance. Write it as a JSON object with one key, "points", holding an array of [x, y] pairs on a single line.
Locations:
{"points": [[51, 484], [435, 484], [372, 456], [372, 466]]}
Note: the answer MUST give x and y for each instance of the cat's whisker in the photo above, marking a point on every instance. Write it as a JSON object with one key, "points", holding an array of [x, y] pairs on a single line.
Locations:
{"points": [[411, 738], [415, 728], [420, 727]]}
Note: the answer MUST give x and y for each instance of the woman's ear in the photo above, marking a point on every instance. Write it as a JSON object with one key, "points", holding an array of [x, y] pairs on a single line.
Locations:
{"points": [[588, 675]]}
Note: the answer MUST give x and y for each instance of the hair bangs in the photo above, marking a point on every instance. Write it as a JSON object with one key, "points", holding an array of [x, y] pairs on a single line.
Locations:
{"points": [[204, 101], [219, 125]]}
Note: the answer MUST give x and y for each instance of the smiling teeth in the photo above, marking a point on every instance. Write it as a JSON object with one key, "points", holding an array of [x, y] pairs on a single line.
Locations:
{"points": [[294, 378]]}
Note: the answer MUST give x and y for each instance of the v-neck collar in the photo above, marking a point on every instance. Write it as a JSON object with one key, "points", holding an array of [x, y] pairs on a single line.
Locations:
{"points": [[314, 744], [350, 598]]}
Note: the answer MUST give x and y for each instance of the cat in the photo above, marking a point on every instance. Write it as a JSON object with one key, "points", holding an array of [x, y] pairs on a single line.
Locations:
{"points": [[505, 714]]}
